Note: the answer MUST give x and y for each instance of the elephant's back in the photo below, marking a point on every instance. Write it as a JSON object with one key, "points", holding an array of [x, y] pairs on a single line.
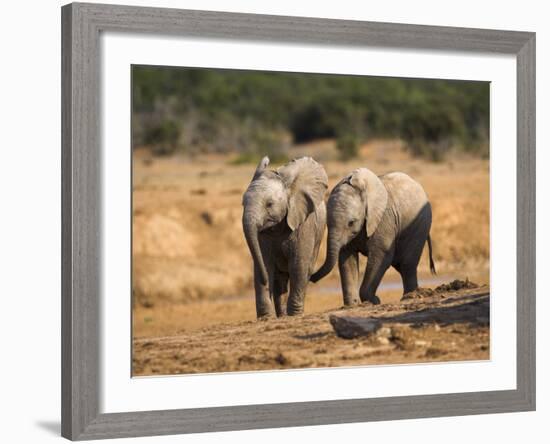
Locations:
{"points": [[407, 195], [402, 186]]}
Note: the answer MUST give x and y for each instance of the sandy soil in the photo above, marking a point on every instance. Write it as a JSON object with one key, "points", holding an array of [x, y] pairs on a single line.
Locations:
{"points": [[441, 325], [192, 272]]}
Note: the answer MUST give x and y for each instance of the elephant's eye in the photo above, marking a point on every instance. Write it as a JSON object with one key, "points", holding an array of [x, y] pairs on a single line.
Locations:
{"points": [[269, 204], [350, 223]]}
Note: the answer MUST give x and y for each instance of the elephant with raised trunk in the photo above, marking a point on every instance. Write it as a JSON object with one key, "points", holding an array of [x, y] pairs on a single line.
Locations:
{"points": [[387, 219], [284, 220]]}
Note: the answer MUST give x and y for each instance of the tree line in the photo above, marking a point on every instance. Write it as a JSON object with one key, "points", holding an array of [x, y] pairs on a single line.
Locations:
{"points": [[196, 110]]}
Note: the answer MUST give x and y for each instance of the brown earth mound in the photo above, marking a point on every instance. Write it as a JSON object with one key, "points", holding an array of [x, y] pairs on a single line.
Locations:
{"points": [[454, 327]]}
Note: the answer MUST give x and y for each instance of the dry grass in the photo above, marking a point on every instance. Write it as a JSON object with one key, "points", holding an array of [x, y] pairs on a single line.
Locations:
{"points": [[191, 267]]}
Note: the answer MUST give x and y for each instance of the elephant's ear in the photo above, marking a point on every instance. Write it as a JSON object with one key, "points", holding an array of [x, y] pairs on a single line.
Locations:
{"points": [[375, 193], [307, 183], [261, 167]]}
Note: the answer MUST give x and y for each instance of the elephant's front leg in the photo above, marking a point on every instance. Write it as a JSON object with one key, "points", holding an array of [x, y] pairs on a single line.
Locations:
{"points": [[299, 278], [348, 264], [264, 300], [377, 264]]}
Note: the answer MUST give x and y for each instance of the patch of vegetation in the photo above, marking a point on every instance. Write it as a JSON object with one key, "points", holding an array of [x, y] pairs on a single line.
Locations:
{"points": [[348, 146], [254, 158], [163, 137], [251, 113]]}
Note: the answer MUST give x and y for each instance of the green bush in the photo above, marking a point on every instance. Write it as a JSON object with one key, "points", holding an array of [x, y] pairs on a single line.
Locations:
{"points": [[254, 158], [347, 146], [163, 138], [248, 112]]}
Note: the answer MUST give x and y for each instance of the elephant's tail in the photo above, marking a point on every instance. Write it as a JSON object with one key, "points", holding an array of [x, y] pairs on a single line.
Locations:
{"points": [[432, 264]]}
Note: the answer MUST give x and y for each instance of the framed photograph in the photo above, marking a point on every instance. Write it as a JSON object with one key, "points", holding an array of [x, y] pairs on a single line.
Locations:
{"points": [[276, 221]]}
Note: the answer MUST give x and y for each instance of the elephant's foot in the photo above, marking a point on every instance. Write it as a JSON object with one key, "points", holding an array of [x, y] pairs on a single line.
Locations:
{"points": [[351, 302], [281, 314], [295, 312], [265, 309], [266, 317], [373, 300], [295, 306]]}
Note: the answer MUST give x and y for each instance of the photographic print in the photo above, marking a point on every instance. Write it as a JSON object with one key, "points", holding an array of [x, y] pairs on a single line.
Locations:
{"points": [[300, 220]]}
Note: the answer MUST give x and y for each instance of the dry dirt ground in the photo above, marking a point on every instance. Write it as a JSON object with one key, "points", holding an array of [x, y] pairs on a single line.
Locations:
{"points": [[192, 272], [440, 325]]}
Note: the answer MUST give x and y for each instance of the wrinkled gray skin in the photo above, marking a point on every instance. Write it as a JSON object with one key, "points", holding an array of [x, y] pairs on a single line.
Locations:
{"points": [[284, 219], [386, 218]]}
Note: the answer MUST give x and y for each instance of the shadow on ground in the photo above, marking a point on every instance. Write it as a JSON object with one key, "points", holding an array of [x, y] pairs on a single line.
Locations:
{"points": [[471, 311]]}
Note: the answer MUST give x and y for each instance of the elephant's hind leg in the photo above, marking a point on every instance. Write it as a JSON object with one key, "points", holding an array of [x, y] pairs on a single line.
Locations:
{"points": [[280, 287], [409, 277]]}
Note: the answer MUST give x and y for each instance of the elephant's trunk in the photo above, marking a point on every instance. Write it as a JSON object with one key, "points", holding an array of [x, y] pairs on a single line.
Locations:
{"points": [[333, 249], [251, 230]]}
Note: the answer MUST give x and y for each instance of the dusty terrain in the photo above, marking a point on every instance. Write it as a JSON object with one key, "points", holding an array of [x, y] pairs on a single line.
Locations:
{"points": [[192, 271], [446, 326]]}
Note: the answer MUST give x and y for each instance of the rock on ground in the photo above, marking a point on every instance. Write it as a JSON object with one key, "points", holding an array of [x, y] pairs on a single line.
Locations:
{"points": [[352, 327]]}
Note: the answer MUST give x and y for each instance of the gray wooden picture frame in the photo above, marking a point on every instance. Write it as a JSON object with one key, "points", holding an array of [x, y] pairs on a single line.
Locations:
{"points": [[81, 234]]}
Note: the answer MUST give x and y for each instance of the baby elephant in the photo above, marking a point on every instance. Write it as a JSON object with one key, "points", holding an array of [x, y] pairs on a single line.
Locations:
{"points": [[284, 221], [386, 218]]}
